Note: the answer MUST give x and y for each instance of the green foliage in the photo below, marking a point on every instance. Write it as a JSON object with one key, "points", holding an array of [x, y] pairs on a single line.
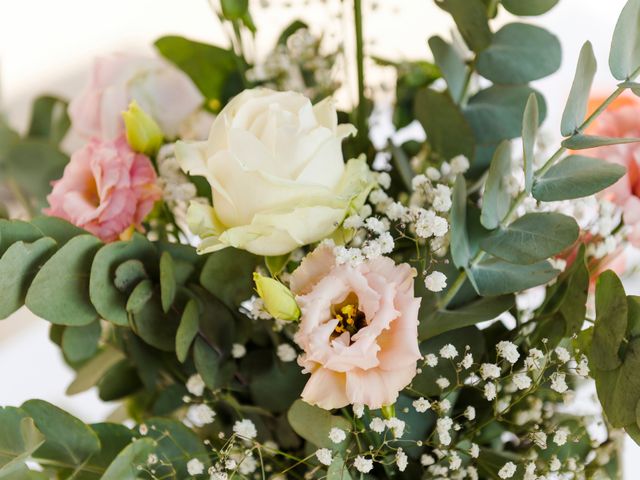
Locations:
{"points": [[167, 281], [19, 438], [529, 133], [94, 369], [472, 21], [460, 250], [207, 362], [624, 57], [583, 142], [496, 277], [125, 465], [234, 9], [497, 200], [529, 7], [451, 65], [520, 53], [81, 343], [187, 330], [314, 424], [576, 107], [576, 176]]}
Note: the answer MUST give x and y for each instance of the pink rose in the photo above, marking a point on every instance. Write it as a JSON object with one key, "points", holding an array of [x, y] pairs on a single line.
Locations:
{"points": [[105, 188], [161, 90], [621, 119], [358, 330]]}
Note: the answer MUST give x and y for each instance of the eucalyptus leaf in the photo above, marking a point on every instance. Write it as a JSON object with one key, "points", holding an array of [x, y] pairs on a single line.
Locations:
{"points": [[140, 296], [611, 322], [624, 57], [207, 362], [128, 274], [125, 465], [576, 107], [187, 330], [575, 177], [496, 201], [12, 231], [533, 237], [93, 370], [227, 274], [472, 21], [496, 277], [59, 292], [460, 251], [529, 133], [149, 320], [57, 228], [113, 439], [452, 66], [338, 469], [314, 424], [582, 142], [167, 281], [19, 438], [81, 343], [49, 119], [520, 53], [529, 7]]}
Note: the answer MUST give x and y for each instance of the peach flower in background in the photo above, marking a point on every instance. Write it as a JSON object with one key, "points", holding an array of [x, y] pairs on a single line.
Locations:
{"points": [[622, 119], [105, 189], [161, 90], [358, 329]]}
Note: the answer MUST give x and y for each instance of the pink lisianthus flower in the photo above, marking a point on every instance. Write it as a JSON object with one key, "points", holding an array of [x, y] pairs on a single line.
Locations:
{"points": [[622, 119], [161, 90], [105, 189], [358, 329]]}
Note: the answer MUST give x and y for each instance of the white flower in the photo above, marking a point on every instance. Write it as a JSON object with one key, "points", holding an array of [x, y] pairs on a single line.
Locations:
{"points": [[427, 460], [530, 471], [442, 383], [324, 456], [396, 211], [435, 281], [442, 198], [358, 410], [431, 225], [386, 243], [195, 385], [554, 464], [448, 351], [378, 197], [582, 368], [362, 464], [490, 391], [337, 435], [474, 450], [455, 461], [561, 435], [384, 180], [248, 465], [238, 350], [508, 470], [420, 181], [459, 164], [532, 362], [508, 351], [562, 354], [271, 196], [351, 256], [489, 370], [558, 382], [396, 426], [401, 460], [152, 459], [467, 361], [219, 476], [432, 174], [444, 405], [522, 381], [421, 405], [353, 221], [540, 439], [472, 472], [470, 413], [143, 429], [286, 352], [375, 225], [230, 464], [431, 360], [245, 428], [443, 426], [377, 425], [195, 467], [200, 415]]}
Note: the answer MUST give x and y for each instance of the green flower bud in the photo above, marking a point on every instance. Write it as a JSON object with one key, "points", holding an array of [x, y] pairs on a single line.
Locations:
{"points": [[143, 133], [278, 299]]}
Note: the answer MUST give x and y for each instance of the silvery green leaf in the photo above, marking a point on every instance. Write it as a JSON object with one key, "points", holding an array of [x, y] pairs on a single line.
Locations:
{"points": [[576, 108], [451, 65], [496, 277], [624, 57], [496, 201], [460, 252], [583, 142], [529, 133]]}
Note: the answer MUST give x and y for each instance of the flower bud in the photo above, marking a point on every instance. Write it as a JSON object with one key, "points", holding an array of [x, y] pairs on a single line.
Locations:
{"points": [[278, 299], [143, 133]]}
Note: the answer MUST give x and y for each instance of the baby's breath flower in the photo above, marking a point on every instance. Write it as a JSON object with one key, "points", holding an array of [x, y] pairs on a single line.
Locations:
{"points": [[421, 405], [377, 425], [508, 351], [427, 460], [508, 470], [286, 353], [195, 385], [467, 361], [431, 360], [195, 467], [489, 370], [401, 460], [358, 410], [324, 456], [337, 435], [245, 428], [474, 450], [435, 281], [558, 382], [490, 391], [362, 464], [522, 381], [470, 413], [561, 435], [238, 350], [200, 415], [443, 383], [562, 354], [448, 351]]}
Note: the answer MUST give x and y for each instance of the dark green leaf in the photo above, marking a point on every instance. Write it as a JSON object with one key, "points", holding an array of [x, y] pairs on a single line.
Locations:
{"points": [[113, 438], [19, 438], [460, 252], [57, 228], [447, 131], [140, 296], [49, 119], [314, 424], [496, 201], [624, 57], [576, 176], [167, 281], [529, 7], [207, 363], [496, 277], [227, 274], [81, 343], [60, 291], [118, 382], [338, 470], [611, 322], [452, 66], [582, 142], [125, 466], [402, 166], [128, 274], [12, 231], [92, 371], [149, 320], [576, 108], [187, 330], [472, 21], [276, 264]]}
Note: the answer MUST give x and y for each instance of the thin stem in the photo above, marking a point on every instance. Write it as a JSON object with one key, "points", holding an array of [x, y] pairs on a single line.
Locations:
{"points": [[361, 118]]}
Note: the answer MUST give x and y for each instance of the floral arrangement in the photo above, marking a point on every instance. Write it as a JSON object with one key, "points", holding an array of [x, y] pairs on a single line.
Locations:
{"points": [[269, 288]]}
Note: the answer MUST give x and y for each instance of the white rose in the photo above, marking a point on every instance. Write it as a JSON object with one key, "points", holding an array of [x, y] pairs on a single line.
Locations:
{"points": [[277, 174], [161, 90]]}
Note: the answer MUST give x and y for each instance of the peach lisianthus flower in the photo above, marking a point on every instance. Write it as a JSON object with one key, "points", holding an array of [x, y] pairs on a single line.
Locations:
{"points": [[622, 119], [358, 329], [105, 189]]}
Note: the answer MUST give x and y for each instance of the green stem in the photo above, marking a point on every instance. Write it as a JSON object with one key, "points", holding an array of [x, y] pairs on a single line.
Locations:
{"points": [[460, 280], [361, 118]]}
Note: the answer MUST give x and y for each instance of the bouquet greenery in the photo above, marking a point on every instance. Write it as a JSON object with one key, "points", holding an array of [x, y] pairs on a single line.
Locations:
{"points": [[270, 289]]}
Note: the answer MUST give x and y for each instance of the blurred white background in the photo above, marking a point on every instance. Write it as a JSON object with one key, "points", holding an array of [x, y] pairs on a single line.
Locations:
{"points": [[47, 46]]}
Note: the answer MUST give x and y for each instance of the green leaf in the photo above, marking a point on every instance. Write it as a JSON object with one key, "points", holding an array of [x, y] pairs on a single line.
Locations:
{"points": [[529, 7], [57, 228], [113, 439], [532, 238], [128, 274], [460, 251], [207, 363], [12, 231], [140, 296], [234, 9], [496, 201], [478, 311], [92, 371], [19, 438], [530, 124], [125, 465], [149, 320], [495, 114], [292, 28], [81, 343], [496, 277], [276, 265], [401, 166], [67, 438], [187, 330], [576, 108], [624, 57], [314, 424], [18, 267], [582, 142], [520, 53], [208, 66], [60, 291], [611, 322], [576, 176], [472, 21], [108, 299], [49, 119], [228, 275], [452, 66], [338, 469], [167, 281], [447, 130], [118, 382]]}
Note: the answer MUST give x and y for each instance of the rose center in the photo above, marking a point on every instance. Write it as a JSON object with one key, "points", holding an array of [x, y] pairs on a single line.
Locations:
{"points": [[350, 318]]}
